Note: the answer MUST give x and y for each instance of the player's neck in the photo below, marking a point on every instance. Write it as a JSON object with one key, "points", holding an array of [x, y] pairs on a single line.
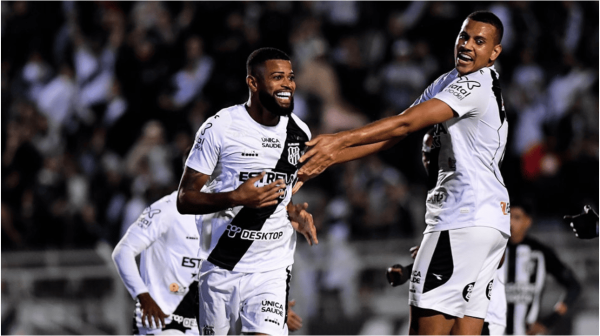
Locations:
{"points": [[260, 114]]}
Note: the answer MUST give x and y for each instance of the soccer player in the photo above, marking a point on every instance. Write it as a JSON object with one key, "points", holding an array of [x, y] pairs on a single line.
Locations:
{"points": [[166, 291], [239, 175], [467, 203], [527, 262]]}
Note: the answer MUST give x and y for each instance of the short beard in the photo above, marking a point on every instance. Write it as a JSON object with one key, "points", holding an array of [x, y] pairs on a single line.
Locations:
{"points": [[270, 103]]}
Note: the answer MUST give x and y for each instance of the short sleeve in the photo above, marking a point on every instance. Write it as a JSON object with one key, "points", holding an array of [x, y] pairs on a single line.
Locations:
{"points": [[152, 223], [467, 94], [204, 155]]}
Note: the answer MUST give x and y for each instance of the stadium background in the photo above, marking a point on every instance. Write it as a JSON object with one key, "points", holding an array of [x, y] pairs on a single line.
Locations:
{"points": [[99, 100]]}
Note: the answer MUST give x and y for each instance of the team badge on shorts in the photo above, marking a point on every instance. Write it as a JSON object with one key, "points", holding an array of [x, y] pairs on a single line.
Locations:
{"points": [[488, 290], [208, 330], [467, 291], [174, 287]]}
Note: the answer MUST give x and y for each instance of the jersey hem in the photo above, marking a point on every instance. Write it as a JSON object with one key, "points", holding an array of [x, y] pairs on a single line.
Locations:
{"points": [[437, 308]]}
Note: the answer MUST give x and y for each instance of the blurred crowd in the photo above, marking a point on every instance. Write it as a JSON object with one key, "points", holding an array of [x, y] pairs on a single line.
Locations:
{"points": [[101, 99]]}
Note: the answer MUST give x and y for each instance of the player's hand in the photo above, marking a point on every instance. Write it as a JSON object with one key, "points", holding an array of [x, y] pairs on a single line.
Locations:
{"points": [[294, 321], [413, 251], [322, 154], [302, 221], [397, 275], [151, 311], [252, 196], [537, 329], [585, 224]]}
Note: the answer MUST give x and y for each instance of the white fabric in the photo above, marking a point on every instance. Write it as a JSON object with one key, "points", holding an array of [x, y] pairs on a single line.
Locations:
{"points": [[470, 190], [168, 243], [257, 301], [231, 147], [476, 253], [496, 314]]}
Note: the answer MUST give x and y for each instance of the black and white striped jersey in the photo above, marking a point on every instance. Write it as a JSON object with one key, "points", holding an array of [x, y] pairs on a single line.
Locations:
{"points": [[465, 185], [527, 264], [232, 147]]}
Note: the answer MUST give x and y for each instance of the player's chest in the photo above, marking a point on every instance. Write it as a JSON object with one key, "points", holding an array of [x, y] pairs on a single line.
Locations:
{"points": [[259, 149], [183, 238]]}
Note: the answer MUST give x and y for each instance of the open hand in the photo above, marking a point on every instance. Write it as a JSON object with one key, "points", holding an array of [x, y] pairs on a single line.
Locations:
{"points": [[294, 321], [151, 311], [252, 196], [324, 151], [302, 221]]}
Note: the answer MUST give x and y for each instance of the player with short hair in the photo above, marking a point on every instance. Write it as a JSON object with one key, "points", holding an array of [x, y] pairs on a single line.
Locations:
{"points": [[527, 263], [167, 289], [240, 175], [467, 203]]}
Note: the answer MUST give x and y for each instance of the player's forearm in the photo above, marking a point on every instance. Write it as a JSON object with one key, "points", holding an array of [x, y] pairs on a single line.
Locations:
{"points": [[192, 202], [376, 132], [357, 152], [124, 258]]}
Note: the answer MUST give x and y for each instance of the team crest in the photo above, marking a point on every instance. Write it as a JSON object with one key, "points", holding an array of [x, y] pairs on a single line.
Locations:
{"points": [[488, 290], [467, 291], [293, 153]]}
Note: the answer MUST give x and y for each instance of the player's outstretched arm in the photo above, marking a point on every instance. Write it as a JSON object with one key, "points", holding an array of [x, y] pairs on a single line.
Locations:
{"points": [[302, 221], [327, 147], [585, 224], [347, 154], [190, 200]]}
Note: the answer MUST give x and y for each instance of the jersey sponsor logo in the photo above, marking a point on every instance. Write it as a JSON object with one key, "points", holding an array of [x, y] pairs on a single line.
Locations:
{"points": [[208, 330], [470, 83], [209, 125], [272, 321], [272, 307], [519, 292], [190, 262], [186, 322], [416, 277], [437, 198], [467, 291], [175, 288], [192, 238], [505, 206], [270, 142], [199, 143], [269, 177], [293, 153], [144, 220], [488, 290], [437, 276], [233, 230]]}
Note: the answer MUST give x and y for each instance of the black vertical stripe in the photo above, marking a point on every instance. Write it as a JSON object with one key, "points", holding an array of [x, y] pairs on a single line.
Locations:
{"points": [[511, 258], [136, 330], [287, 294], [230, 250], [498, 93], [441, 264]]}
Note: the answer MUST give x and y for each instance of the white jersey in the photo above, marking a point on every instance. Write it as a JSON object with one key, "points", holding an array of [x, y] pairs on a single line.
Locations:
{"points": [[465, 185], [232, 147], [168, 242]]}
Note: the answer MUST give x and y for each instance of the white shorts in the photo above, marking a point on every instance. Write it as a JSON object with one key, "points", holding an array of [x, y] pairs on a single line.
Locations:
{"points": [[252, 302], [454, 270]]}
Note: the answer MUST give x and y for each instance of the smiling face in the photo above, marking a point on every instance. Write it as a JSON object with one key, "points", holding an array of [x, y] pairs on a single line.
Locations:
{"points": [[476, 46], [276, 87]]}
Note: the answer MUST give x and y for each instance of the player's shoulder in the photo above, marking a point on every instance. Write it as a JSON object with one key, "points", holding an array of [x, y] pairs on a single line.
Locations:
{"points": [[301, 124], [483, 77], [222, 120], [167, 205]]}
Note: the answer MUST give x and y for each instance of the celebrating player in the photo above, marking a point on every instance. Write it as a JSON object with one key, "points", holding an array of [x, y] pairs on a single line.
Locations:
{"points": [[467, 203], [240, 174], [167, 288]]}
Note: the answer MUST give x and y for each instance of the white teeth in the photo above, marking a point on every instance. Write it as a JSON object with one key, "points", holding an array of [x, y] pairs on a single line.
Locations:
{"points": [[465, 57], [284, 94]]}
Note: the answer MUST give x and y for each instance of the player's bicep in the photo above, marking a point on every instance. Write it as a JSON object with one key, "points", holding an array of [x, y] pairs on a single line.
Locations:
{"points": [[426, 114], [192, 180]]}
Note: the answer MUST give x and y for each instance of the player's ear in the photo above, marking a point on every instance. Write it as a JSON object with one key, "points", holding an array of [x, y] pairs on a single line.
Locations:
{"points": [[252, 83], [496, 52]]}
